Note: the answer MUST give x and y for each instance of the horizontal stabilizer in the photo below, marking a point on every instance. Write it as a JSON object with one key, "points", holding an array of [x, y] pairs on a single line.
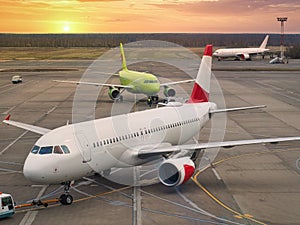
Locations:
{"points": [[237, 109]]}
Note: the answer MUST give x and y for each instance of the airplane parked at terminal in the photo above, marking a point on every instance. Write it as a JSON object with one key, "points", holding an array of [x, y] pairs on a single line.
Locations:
{"points": [[75, 150], [134, 82], [242, 53]]}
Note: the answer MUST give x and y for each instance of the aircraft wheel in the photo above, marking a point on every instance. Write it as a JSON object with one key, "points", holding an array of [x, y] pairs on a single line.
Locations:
{"points": [[66, 199], [154, 99]]}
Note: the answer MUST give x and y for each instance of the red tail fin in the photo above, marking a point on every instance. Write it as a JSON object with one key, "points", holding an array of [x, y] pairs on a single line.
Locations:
{"points": [[201, 88]]}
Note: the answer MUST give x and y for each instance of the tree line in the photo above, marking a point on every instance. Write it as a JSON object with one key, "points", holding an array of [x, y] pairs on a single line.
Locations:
{"points": [[113, 40]]}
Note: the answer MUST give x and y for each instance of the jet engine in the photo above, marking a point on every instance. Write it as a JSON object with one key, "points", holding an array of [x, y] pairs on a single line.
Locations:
{"points": [[174, 172], [113, 93], [246, 56], [169, 92]]}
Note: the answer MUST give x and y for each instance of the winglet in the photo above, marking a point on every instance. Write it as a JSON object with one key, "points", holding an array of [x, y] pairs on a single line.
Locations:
{"points": [[7, 117]]}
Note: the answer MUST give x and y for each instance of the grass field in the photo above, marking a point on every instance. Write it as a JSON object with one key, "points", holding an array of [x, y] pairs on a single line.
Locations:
{"points": [[21, 53]]}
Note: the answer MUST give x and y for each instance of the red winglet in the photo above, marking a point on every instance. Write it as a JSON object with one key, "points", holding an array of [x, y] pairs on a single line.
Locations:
{"points": [[7, 117]]}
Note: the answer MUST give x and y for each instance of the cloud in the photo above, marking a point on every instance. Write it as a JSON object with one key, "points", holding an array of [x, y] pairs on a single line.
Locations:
{"points": [[99, 0], [229, 7]]}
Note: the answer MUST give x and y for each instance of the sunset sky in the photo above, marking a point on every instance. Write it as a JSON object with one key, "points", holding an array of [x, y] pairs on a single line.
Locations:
{"points": [[127, 16]]}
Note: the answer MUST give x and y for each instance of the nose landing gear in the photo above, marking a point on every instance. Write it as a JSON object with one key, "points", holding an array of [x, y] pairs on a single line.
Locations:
{"points": [[66, 199]]}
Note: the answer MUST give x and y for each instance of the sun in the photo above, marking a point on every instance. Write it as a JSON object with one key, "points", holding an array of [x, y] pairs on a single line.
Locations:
{"points": [[66, 28]]}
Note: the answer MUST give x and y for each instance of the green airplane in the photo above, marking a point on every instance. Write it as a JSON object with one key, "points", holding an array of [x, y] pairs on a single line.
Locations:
{"points": [[134, 82]]}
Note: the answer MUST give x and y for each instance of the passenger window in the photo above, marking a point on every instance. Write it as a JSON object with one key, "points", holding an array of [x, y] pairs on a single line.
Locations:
{"points": [[65, 149], [57, 150], [46, 150], [35, 149]]}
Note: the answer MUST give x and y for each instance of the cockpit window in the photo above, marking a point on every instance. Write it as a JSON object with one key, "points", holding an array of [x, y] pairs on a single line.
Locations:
{"points": [[35, 149], [46, 150], [150, 81], [65, 149], [57, 150]]}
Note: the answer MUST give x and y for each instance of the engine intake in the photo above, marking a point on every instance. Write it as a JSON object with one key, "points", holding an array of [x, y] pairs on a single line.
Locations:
{"points": [[169, 92], [174, 172], [114, 93]]}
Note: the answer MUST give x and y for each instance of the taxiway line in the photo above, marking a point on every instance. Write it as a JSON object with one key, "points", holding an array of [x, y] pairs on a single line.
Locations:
{"points": [[13, 142], [237, 214], [10, 109], [30, 216]]}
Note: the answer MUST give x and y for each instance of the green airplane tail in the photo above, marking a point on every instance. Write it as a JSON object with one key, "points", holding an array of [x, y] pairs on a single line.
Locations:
{"points": [[124, 66]]}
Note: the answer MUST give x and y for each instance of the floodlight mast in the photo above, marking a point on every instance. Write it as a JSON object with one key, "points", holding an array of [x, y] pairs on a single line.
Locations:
{"points": [[282, 20]]}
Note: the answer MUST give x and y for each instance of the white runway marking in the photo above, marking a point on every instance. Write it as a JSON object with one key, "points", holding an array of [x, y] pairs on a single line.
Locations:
{"points": [[8, 146], [216, 173], [30, 216], [10, 109]]}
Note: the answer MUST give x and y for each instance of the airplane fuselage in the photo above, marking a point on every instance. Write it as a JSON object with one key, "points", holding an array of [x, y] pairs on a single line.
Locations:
{"points": [[142, 83], [236, 52], [105, 143]]}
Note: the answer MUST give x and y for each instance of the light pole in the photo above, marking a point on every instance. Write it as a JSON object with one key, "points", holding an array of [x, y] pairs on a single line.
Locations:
{"points": [[282, 20]]}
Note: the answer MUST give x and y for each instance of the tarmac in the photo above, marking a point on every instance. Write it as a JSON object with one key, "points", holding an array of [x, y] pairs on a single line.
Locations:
{"points": [[256, 184]]}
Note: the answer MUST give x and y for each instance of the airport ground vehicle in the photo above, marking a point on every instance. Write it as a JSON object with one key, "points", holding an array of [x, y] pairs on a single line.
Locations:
{"points": [[7, 205], [16, 79]]}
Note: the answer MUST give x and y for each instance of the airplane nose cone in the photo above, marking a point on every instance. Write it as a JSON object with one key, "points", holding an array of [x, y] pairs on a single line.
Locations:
{"points": [[156, 88], [31, 170]]}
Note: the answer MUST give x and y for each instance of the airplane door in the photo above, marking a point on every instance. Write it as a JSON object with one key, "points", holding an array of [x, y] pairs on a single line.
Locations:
{"points": [[84, 147]]}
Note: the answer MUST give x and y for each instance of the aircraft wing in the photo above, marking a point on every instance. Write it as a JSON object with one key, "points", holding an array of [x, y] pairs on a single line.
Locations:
{"points": [[226, 144], [32, 128], [177, 82], [95, 84]]}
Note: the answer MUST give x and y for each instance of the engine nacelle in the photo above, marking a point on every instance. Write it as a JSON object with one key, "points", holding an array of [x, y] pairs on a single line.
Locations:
{"points": [[114, 93], [174, 172], [246, 56], [169, 92]]}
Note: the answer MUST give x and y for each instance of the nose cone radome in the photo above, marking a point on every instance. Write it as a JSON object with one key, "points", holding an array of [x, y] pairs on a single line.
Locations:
{"points": [[156, 88], [32, 170]]}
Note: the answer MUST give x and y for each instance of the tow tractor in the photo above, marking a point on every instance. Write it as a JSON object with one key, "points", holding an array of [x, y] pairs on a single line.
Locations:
{"points": [[7, 205]]}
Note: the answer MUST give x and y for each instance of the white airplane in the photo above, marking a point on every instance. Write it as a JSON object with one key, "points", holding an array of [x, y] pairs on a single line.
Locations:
{"points": [[242, 53], [72, 151]]}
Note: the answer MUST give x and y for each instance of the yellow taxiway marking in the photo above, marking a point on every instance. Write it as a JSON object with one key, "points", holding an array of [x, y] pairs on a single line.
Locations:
{"points": [[236, 214], [75, 201]]}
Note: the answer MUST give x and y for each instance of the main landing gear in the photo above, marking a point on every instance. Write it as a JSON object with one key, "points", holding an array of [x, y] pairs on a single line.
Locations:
{"points": [[152, 100], [66, 199]]}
